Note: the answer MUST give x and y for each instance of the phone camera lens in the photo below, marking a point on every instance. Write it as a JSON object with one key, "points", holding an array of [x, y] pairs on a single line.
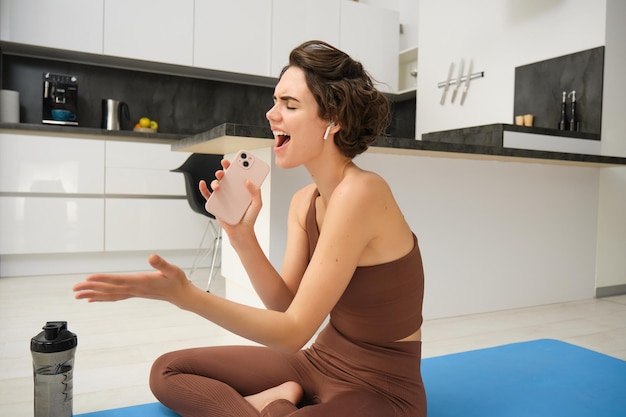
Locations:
{"points": [[245, 164], [244, 156]]}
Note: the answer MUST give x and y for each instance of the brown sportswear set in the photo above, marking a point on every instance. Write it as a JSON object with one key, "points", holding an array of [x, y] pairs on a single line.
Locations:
{"points": [[354, 367]]}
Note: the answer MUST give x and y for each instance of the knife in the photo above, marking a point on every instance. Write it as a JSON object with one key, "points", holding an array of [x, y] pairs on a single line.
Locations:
{"points": [[447, 85], [458, 79], [467, 81]]}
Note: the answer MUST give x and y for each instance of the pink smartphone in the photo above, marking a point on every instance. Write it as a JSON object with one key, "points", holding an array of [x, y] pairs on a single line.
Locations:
{"points": [[231, 201]]}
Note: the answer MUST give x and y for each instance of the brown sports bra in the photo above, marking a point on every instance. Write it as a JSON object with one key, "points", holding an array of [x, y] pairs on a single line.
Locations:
{"points": [[382, 303]]}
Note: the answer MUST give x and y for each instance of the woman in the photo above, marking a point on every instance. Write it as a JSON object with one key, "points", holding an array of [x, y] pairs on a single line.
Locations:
{"points": [[350, 254]]}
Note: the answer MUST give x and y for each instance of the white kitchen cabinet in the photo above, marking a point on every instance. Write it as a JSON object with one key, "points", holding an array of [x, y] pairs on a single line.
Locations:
{"points": [[151, 224], [148, 219], [372, 35], [74, 25], [297, 21], [233, 35], [407, 70], [51, 194], [32, 225], [47, 164], [150, 30], [367, 33], [82, 195], [143, 169]]}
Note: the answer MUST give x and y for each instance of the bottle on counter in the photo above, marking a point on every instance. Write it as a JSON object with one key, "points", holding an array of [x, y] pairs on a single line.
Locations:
{"points": [[53, 364], [573, 120], [563, 122]]}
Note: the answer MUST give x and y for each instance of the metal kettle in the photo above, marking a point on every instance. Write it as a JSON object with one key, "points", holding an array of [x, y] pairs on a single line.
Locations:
{"points": [[112, 112]]}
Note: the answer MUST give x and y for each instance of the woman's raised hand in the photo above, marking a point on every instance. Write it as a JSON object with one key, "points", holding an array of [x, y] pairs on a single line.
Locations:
{"points": [[167, 282]]}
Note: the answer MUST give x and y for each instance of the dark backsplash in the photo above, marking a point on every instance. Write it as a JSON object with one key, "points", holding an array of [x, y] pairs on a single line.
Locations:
{"points": [[403, 118], [539, 88], [181, 105]]}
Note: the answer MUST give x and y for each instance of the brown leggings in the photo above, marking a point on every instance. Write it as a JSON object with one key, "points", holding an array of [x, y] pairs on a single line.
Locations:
{"points": [[212, 381]]}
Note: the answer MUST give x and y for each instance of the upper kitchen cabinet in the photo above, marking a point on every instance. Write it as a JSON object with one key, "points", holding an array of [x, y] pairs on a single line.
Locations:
{"points": [[150, 30], [407, 71], [372, 35], [297, 21], [233, 36], [74, 25]]}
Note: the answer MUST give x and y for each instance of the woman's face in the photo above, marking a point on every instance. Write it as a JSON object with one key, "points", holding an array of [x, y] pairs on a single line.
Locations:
{"points": [[298, 130]]}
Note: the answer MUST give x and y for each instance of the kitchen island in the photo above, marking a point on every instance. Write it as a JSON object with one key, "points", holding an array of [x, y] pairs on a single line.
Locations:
{"points": [[499, 227]]}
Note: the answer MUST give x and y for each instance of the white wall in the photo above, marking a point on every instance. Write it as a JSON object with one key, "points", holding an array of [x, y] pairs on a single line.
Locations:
{"points": [[496, 235], [613, 96], [611, 263], [499, 36]]}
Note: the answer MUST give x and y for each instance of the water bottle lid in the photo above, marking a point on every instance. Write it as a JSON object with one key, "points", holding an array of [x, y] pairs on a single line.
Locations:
{"points": [[54, 338]]}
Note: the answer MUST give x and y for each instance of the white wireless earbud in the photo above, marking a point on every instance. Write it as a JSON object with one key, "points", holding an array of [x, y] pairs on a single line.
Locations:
{"points": [[330, 125]]}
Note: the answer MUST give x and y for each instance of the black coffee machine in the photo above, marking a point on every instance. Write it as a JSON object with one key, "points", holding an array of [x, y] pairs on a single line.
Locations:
{"points": [[60, 99]]}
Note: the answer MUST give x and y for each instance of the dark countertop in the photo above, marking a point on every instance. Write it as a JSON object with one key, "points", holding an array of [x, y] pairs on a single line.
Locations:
{"points": [[480, 142], [70, 131], [226, 138], [488, 140], [491, 135]]}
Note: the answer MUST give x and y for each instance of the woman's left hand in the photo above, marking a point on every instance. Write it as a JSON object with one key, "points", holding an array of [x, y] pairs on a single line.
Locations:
{"points": [[168, 282]]}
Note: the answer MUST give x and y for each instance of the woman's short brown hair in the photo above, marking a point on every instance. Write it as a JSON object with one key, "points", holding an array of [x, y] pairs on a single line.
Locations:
{"points": [[345, 94]]}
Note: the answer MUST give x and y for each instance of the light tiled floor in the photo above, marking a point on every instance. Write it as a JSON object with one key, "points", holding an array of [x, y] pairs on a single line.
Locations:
{"points": [[117, 343]]}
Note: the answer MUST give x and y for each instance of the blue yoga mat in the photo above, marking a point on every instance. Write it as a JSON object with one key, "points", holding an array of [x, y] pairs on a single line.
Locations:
{"points": [[144, 410], [540, 378]]}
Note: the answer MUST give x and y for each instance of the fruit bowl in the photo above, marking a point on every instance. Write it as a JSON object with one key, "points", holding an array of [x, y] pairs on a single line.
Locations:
{"points": [[144, 130]]}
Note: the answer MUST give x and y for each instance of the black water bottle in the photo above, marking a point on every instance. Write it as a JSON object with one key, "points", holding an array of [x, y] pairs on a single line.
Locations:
{"points": [[563, 121], [53, 364], [573, 120]]}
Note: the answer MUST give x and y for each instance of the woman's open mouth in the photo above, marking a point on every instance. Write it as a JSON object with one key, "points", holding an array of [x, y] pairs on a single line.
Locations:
{"points": [[281, 137]]}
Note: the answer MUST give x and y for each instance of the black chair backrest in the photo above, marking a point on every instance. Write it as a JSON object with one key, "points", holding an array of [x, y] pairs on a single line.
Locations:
{"points": [[199, 167]]}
